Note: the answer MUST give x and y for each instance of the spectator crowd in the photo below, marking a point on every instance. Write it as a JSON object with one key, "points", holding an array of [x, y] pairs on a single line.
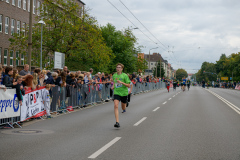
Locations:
{"points": [[24, 79]]}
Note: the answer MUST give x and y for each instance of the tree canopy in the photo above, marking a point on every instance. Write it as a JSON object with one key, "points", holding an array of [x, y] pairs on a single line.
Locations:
{"points": [[76, 34], [226, 66], [180, 73]]}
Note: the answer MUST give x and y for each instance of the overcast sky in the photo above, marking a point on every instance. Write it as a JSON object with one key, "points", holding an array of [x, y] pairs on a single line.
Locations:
{"points": [[187, 32]]}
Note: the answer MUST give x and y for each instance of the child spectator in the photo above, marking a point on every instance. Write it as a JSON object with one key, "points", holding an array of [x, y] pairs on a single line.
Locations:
{"points": [[6, 79], [19, 89], [46, 100]]}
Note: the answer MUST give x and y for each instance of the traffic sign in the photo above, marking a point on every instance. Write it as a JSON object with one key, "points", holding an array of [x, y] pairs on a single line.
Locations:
{"points": [[224, 78]]}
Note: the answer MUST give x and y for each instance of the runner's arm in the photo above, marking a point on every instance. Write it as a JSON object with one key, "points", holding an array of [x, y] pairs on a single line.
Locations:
{"points": [[125, 84], [131, 88], [113, 86]]}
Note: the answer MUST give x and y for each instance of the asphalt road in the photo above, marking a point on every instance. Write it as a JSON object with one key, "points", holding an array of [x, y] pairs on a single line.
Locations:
{"points": [[199, 124]]}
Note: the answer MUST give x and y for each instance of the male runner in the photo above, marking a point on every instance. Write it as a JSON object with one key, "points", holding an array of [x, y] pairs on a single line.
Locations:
{"points": [[174, 84], [188, 83], [120, 85], [167, 84], [203, 83], [184, 83]]}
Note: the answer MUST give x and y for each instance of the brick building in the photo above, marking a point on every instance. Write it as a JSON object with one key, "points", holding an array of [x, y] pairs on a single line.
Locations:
{"points": [[14, 15]]}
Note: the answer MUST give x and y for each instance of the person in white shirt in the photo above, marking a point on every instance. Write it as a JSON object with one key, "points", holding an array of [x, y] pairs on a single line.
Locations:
{"points": [[46, 100]]}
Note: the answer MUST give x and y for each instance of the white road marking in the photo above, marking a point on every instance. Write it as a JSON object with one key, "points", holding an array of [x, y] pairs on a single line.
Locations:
{"points": [[169, 99], [235, 108], [165, 102], [104, 148], [174, 96], [136, 124], [156, 109]]}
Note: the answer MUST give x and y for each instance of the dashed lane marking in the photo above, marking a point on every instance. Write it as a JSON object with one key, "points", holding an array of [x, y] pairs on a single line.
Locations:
{"points": [[165, 102], [169, 99], [156, 109], [143, 119], [104, 148]]}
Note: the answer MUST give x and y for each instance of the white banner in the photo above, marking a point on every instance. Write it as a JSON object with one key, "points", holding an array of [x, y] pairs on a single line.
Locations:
{"points": [[9, 106], [32, 105]]}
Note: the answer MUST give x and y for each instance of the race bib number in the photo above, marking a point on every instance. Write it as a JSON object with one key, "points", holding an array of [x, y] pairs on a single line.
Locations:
{"points": [[118, 85]]}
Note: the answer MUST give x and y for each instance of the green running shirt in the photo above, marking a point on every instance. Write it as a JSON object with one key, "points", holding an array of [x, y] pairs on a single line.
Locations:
{"points": [[120, 89]]}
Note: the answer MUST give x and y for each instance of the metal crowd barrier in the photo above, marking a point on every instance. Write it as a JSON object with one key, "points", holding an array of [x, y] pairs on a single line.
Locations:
{"points": [[11, 120], [86, 95]]}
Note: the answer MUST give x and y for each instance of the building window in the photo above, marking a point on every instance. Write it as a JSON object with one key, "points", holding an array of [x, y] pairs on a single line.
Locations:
{"points": [[5, 56], [23, 28], [7, 1], [24, 4], [12, 26], [13, 2], [11, 58], [19, 3], [22, 59], [38, 8], [151, 63], [17, 58], [28, 5], [34, 6], [0, 23], [6, 25], [18, 28]]}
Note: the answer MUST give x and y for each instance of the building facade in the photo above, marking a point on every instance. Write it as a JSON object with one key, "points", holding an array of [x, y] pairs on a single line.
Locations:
{"points": [[14, 16], [153, 61]]}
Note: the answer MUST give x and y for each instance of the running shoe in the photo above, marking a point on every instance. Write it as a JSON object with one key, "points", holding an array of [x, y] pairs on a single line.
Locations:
{"points": [[117, 125], [123, 111]]}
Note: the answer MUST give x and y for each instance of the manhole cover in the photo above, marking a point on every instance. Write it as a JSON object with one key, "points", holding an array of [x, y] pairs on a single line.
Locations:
{"points": [[27, 131]]}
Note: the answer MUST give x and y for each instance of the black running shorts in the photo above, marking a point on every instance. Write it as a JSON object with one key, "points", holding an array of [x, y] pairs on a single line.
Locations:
{"points": [[123, 99]]}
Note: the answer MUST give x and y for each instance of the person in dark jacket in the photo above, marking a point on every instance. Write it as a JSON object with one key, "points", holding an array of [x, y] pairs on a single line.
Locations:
{"points": [[56, 79], [50, 79], [19, 89], [6, 79]]}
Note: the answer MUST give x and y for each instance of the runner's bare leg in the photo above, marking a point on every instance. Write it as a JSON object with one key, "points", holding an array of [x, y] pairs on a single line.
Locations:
{"points": [[124, 105], [116, 102]]}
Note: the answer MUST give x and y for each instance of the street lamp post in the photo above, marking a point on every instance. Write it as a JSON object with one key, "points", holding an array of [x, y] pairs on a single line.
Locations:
{"points": [[41, 22], [149, 59]]}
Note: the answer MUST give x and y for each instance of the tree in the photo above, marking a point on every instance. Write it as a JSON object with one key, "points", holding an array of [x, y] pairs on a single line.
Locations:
{"points": [[158, 70], [141, 65], [122, 44], [180, 73], [66, 31]]}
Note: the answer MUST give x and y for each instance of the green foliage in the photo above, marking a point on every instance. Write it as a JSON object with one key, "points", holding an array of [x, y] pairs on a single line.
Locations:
{"points": [[67, 31], [180, 73], [158, 70], [224, 67], [141, 65], [122, 44]]}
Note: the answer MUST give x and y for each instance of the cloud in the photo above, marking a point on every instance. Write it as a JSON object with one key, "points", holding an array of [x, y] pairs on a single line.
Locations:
{"points": [[183, 25]]}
